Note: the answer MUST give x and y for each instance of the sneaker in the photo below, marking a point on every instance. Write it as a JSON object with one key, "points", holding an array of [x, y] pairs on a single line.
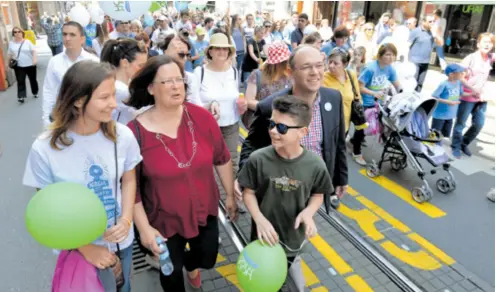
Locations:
{"points": [[490, 195], [466, 151], [20, 99], [195, 282], [359, 159], [35, 96], [457, 154], [220, 240], [152, 261]]}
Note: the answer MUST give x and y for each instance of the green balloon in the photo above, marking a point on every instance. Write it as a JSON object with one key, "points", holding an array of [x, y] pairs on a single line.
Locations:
{"points": [[65, 216], [262, 267], [154, 7]]}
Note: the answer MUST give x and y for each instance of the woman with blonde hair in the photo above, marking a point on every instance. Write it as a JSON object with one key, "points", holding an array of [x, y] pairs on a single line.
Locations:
{"points": [[367, 38], [84, 146], [272, 77]]}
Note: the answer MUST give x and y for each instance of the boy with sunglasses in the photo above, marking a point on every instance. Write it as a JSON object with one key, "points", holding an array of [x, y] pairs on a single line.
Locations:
{"points": [[284, 183]]}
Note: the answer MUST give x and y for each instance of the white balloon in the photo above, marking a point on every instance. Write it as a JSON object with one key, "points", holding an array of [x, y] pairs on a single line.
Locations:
{"points": [[97, 14], [79, 14], [125, 10]]}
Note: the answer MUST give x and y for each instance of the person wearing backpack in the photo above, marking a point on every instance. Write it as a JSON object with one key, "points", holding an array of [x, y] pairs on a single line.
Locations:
{"points": [[272, 77]]}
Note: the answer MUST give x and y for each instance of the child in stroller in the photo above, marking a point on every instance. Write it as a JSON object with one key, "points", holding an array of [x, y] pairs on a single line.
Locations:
{"points": [[405, 119]]}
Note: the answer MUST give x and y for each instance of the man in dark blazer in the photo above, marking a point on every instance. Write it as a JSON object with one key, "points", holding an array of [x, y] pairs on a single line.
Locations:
{"points": [[327, 130]]}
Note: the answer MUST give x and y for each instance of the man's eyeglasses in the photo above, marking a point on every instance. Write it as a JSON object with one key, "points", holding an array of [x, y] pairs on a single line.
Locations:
{"points": [[172, 81], [184, 55], [281, 128]]}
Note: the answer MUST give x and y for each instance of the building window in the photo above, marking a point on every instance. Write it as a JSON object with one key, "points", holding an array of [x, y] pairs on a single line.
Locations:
{"points": [[348, 10]]}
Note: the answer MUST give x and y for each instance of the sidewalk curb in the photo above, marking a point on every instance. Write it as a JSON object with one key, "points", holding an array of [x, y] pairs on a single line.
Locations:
{"points": [[478, 282]]}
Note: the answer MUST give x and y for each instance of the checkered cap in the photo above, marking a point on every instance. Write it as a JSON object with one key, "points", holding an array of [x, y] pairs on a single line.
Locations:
{"points": [[278, 53]]}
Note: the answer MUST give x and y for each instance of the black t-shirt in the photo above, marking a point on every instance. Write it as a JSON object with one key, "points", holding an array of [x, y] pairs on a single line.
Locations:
{"points": [[248, 63]]}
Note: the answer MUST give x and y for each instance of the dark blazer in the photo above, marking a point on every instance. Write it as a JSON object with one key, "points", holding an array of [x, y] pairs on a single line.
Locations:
{"points": [[333, 148]]}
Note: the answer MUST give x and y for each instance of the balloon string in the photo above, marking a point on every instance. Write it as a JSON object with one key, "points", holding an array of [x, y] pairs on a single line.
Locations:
{"points": [[294, 250]]}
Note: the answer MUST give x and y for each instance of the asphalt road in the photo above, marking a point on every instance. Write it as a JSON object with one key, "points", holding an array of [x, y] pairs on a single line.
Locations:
{"points": [[465, 232]]}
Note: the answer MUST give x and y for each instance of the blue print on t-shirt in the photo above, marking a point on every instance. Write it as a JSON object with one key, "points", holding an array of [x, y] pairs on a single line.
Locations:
{"points": [[104, 192]]}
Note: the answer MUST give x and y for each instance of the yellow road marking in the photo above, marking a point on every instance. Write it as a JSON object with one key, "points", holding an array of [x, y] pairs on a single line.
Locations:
{"points": [[383, 214], [365, 220], [404, 194], [432, 248], [331, 255], [418, 259], [220, 258], [243, 132], [229, 273], [352, 192], [319, 289], [310, 277], [358, 284]]}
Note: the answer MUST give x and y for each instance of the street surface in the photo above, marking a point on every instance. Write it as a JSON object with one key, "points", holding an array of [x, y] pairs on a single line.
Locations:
{"points": [[438, 244]]}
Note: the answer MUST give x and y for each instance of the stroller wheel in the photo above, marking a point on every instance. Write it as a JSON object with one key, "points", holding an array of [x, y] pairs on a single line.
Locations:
{"points": [[419, 195], [444, 186], [372, 171]]}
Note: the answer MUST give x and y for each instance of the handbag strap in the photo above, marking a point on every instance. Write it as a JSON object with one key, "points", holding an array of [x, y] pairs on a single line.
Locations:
{"points": [[19, 51], [116, 187], [355, 94]]}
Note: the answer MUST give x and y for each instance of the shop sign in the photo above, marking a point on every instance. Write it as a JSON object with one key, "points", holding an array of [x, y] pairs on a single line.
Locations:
{"points": [[476, 9]]}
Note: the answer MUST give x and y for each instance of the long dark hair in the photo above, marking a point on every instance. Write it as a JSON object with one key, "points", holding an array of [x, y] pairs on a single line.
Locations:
{"points": [[79, 82], [140, 97], [115, 50]]}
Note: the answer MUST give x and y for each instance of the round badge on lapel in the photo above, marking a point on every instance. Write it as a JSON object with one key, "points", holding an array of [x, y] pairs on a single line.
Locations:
{"points": [[328, 106]]}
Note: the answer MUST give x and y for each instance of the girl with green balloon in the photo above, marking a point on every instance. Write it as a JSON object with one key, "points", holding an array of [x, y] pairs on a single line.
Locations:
{"points": [[283, 189], [83, 166]]}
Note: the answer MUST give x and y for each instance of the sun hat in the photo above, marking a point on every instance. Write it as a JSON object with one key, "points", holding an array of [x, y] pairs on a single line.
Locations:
{"points": [[277, 53], [220, 40]]}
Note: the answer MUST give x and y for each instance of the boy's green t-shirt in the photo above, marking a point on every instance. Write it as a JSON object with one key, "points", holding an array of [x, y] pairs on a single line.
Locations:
{"points": [[283, 188]]}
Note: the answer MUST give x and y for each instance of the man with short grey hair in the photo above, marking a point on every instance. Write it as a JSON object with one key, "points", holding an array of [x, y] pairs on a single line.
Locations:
{"points": [[326, 135]]}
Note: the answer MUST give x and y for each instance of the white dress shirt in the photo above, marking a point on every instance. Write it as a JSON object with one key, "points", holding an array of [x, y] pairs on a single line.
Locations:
{"points": [[58, 65]]}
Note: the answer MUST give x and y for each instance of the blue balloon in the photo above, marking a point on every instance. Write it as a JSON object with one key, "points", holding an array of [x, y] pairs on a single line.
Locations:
{"points": [[148, 20]]}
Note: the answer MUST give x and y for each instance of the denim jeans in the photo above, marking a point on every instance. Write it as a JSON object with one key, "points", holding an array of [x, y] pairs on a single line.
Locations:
{"points": [[239, 59], [478, 112], [56, 49], [126, 261], [443, 126]]}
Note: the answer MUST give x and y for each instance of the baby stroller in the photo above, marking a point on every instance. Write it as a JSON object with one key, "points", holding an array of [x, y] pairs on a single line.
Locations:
{"points": [[407, 135]]}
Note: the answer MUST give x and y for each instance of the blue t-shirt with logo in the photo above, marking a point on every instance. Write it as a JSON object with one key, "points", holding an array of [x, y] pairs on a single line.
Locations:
{"points": [[90, 32], [200, 48], [376, 78], [447, 90], [188, 66]]}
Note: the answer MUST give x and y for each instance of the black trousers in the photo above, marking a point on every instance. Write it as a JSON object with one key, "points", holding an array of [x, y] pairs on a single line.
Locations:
{"points": [[202, 254], [21, 73], [420, 75]]}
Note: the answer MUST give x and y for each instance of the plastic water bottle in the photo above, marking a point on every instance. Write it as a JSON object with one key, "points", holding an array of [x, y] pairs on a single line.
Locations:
{"points": [[165, 261]]}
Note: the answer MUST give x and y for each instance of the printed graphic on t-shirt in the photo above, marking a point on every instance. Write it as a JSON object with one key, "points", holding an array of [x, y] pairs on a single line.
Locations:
{"points": [[454, 93], [97, 175], [286, 184], [378, 82]]}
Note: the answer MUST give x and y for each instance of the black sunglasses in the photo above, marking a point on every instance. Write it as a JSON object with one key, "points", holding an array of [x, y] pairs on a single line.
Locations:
{"points": [[17, 31], [281, 128], [184, 55]]}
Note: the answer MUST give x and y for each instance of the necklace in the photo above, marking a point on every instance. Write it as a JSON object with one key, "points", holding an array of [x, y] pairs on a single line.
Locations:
{"points": [[193, 144]]}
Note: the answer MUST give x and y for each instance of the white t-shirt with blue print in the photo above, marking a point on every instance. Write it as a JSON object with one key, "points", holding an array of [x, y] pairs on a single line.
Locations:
{"points": [[89, 161], [448, 91], [376, 78]]}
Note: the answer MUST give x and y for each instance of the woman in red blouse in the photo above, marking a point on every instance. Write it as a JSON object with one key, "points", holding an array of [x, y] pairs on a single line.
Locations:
{"points": [[177, 195]]}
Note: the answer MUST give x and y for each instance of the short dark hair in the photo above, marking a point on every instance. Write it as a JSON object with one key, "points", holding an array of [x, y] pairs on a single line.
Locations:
{"points": [[312, 38], [168, 39], [138, 88], [340, 32], [16, 27], [76, 25], [303, 15], [208, 20], [438, 12], [294, 107], [342, 53]]}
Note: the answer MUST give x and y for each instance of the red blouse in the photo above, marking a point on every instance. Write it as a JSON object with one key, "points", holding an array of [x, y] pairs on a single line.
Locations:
{"points": [[178, 200]]}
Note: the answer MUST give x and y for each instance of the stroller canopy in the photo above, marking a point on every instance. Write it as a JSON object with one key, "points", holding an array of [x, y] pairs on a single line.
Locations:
{"points": [[400, 109]]}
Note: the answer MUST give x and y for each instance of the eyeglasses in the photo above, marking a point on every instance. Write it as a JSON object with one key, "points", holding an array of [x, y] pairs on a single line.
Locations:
{"points": [[184, 55], [17, 31], [172, 81], [268, 26], [309, 67], [281, 128], [368, 29]]}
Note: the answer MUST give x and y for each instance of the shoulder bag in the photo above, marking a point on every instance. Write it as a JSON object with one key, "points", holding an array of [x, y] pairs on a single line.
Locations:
{"points": [[357, 112], [13, 62]]}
